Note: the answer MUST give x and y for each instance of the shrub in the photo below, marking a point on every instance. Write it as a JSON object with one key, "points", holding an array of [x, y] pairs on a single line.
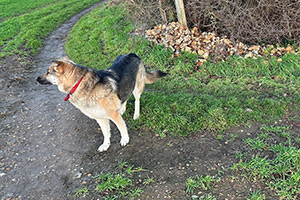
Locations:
{"points": [[252, 21]]}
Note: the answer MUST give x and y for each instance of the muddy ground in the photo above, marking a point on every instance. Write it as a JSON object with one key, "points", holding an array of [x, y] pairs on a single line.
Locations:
{"points": [[48, 148]]}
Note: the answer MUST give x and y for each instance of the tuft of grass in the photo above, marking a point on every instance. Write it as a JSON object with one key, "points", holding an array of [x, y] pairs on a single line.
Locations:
{"points": [[113, 182], [148, 181], [202, 183], [82, 192], [256, 143], [214, 98], [120, 184], [256, 195], [205, 197]]}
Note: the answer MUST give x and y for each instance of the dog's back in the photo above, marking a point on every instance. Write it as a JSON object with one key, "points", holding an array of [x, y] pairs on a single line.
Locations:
{"points": [[125, 69]]}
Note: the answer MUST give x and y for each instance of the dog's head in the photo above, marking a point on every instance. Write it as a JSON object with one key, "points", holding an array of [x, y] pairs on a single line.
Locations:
{"points": [[57, 72]]}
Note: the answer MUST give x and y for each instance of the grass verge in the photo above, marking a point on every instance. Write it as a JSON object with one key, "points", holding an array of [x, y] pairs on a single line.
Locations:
{"points": [[214, 97], [23, 34]]}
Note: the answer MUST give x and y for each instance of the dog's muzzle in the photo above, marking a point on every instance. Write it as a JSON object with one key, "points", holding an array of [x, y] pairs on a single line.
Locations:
{"points": [[42, 80]]}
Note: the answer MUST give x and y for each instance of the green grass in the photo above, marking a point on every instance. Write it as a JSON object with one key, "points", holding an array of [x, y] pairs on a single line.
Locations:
{"points": [[277, 162], [200, 183], [214, 98], [12, 8], [269, 158], [116, 185], [82, 192], [24, 34], [256, 195], [120, 184]]}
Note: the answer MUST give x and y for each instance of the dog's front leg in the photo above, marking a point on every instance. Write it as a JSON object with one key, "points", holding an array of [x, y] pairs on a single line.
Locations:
{"points": [[104, 124], [118, 120]]}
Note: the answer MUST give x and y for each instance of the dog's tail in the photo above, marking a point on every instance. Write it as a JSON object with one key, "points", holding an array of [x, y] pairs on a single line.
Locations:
{"points": [[153, 76]]}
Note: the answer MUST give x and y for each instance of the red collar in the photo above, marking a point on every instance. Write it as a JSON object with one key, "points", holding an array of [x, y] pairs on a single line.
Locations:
{"points": [[73, 89]]}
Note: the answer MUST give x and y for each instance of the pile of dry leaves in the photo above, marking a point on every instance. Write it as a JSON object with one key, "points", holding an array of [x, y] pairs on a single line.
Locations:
{"points": [[179, 38]]}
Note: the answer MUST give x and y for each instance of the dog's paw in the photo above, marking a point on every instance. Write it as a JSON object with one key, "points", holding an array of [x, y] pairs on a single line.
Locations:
{"points": [[135, 116], [124, 141], [103, 147]]}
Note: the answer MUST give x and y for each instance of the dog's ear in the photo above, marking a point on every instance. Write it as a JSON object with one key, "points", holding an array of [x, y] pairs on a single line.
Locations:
{"points": [[58, 66]]}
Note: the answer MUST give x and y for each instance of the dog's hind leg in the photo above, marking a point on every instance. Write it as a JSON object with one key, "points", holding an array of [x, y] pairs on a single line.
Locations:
{"points": [[118, 120], [123, 108], [137, 92], [104, 124]]}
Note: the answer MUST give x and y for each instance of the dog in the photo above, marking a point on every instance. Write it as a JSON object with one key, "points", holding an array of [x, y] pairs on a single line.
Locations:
{"points": [[102, 94]]}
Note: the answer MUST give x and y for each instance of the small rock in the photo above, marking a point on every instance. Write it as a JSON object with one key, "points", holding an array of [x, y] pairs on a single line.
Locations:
{"points": [[205, 55], [249, 110], [288, 49], [249, 55], [77, 175], [256, 47]]}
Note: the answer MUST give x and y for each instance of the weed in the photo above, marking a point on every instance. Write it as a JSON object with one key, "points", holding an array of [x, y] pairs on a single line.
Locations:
{"points": [[170, 144], [219, 137], [131, 194], [112, 182], [201, 182], [122, 164], [264, 136], [116, 185], [82, 192], [256, 143], [233, 137], [120, 184], [130, 170], [256, 195], [276, 129], [148, 181], [207, 197], [239, 155], [191, 184]]}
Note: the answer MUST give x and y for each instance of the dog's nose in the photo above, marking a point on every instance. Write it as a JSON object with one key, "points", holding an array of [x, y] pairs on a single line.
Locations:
{"points": [[37, 78]]}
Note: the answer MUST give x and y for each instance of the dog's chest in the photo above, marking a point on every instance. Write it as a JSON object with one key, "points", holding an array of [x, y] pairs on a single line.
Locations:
{"points": [[92, 111]]}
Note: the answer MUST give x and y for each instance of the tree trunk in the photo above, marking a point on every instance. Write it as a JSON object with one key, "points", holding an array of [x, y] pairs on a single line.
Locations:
{"points": [[180, 12]]}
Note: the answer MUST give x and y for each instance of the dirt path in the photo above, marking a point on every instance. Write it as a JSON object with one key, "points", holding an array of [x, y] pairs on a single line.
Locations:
{"points": [[40, 145], [48, 147]]}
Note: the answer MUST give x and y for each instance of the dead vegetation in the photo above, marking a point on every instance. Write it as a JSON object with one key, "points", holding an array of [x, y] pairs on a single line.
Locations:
{"points": [[180, 38], [251, 22]]}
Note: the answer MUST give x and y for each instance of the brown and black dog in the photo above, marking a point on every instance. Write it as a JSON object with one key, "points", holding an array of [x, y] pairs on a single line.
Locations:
{"points": [[102, 95]]}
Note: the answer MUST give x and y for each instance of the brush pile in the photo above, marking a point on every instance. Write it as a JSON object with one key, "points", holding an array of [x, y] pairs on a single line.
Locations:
{"points": [[179, 38]]}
